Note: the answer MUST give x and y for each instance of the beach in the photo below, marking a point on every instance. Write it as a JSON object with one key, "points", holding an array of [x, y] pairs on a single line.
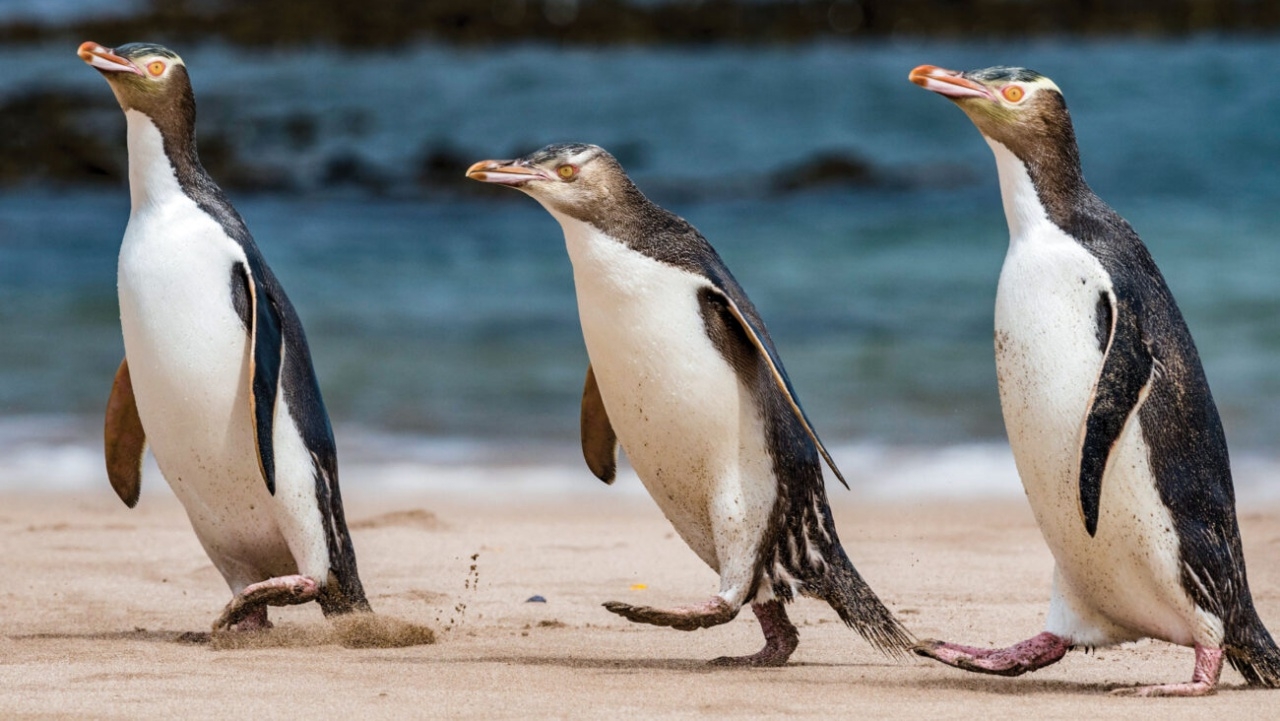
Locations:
{"points": [[97, 597]]}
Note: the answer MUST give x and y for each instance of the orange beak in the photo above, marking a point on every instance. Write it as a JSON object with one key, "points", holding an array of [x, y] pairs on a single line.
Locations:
{"points": [[951, 83], [105, 59], [504, 172]]}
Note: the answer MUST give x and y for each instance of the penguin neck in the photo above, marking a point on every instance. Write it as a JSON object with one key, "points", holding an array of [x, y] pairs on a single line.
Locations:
{"points": [[1039, 190], [160, 162]]}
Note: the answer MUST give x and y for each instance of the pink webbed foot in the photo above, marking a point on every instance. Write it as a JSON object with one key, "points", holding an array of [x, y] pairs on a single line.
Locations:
{"points": [[780, 638], [1034, 653], [248, 609], [1204, 680], [683, 618]]}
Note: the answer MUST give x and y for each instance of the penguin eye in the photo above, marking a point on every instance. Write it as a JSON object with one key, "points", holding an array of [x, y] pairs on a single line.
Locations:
{"points": [[156, 68], [1013, 93], [566, 171]]}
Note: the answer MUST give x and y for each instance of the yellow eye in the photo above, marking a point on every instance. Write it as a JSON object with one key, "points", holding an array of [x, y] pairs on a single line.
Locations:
{"points": [[1012, 93], [156, 68], [567, 171]]}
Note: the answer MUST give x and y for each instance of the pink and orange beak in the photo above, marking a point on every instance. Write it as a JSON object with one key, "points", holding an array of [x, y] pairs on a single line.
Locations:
{"points": [[105, 59], [951, 83], [505, 172]]}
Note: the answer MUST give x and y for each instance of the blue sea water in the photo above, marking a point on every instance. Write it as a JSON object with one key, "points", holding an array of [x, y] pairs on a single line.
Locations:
{"points": [[443, 323]]}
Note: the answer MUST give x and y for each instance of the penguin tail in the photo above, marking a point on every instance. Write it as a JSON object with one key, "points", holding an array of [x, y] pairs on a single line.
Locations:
{"points": [[337, 598], [1254, 654], [859, 607]]}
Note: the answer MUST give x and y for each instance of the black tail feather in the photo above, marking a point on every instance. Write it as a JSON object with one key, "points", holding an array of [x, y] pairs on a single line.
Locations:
{"points": [[1255, 656], [859, 606]]}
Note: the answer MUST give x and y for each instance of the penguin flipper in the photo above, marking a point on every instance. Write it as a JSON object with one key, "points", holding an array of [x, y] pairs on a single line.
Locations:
{"points": [[124, 439], [766, 354], [266, 340], [1128, 370], [599, 442]]}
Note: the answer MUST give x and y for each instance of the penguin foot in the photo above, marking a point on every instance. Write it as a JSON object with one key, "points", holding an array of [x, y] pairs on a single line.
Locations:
{"points": [[683, 618], [250, 605], [254, 619], [1204, 680], [780, 638], [1034, 653]]}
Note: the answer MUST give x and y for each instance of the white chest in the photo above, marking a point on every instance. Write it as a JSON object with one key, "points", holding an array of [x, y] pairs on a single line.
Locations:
{"points": [[1123, 582], [187, 348], [186, 345], [690, 428]]}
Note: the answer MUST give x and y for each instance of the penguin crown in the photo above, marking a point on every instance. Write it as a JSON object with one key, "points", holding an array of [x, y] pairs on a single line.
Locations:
{"points": [[566, 177]]}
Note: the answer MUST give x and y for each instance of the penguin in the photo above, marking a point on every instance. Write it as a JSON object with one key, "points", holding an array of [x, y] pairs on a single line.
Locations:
{"points": [[1113, 429], [684, 377], [217, 376]]}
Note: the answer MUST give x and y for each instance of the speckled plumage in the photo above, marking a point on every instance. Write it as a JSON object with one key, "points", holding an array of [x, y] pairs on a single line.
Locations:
{"points": [[1112, 424], [688, 378]]}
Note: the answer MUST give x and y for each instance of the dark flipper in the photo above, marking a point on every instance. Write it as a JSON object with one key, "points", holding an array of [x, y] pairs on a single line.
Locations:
{"points": [[599, 442], [124, 439], [779, 376], [1127, 372], [267, 343]]}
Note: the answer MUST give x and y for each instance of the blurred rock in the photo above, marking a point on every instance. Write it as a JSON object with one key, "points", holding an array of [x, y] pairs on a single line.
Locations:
{"points": [[384, 23], [827, 170], [348, 168], [51, 136]]}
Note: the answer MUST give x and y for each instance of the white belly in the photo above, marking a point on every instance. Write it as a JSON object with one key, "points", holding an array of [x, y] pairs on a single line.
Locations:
{"points": [[691, 430], [189, 361], [1123, 583]]}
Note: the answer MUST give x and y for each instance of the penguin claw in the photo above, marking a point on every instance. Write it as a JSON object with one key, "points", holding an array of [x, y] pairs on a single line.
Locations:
{"points": [[248, 609], [1193, 688], [927, 647], [1204, 680], [767, 658], [682, 618]]}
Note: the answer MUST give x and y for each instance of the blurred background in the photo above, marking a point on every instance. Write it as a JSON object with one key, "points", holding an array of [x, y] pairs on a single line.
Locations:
{"points": [[861, 213]]}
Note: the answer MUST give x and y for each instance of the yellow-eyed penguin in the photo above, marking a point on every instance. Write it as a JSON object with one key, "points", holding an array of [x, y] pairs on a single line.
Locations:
{"points": [[685, 377], [217, 376], [1113, 429]]}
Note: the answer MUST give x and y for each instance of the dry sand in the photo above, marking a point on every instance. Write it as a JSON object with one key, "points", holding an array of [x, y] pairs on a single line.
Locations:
{"points": [[95, 597]]}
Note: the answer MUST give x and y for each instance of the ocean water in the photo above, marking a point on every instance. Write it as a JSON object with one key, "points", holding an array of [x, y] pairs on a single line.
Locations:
{"points": [[443, 322]]}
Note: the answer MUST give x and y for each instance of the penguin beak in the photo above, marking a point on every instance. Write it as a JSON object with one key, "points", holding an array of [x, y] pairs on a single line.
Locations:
{"points": [[951, 83], [505, 172], [105, 59]]}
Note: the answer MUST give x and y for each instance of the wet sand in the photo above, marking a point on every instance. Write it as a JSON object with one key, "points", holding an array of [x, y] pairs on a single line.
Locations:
{"points": [[96, 598]]}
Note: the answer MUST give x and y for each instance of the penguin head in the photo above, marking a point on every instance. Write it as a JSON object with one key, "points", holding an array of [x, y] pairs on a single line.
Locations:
{"points": [[145, 77], [571, 178], [1017, 107]]}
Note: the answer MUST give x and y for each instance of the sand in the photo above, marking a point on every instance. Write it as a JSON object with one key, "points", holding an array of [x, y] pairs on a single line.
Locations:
{"points": [[95, 599]]}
